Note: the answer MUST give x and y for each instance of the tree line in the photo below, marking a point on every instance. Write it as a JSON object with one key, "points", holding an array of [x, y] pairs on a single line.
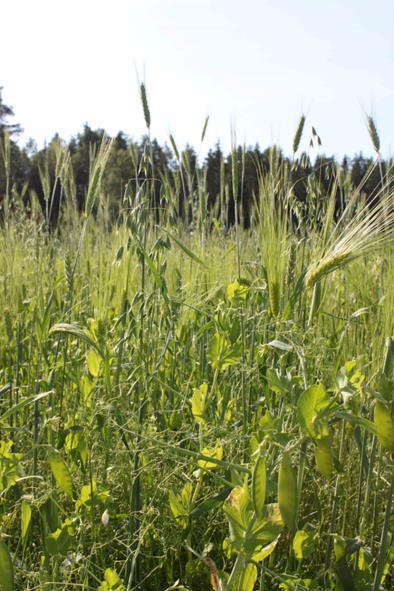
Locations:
{"points": [[133, 163]]}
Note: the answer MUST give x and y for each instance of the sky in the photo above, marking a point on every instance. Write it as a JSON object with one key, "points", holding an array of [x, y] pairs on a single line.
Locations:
{"points": [[251, 65]]}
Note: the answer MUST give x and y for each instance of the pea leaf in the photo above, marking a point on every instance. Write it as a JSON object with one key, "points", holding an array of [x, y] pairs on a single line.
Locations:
{"points": [[60, 472], [311, 403]]}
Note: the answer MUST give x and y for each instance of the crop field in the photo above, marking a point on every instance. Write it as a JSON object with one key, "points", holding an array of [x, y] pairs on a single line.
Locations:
{"points": [[194, 404]]}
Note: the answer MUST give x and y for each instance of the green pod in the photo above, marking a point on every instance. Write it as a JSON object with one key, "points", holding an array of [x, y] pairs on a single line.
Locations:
{"points": [[259, 485], [287, 492], [384, 425], [323, 457]]}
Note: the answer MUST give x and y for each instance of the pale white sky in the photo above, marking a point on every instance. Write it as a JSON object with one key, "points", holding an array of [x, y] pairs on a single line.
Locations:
{"points": [[256, 63]]}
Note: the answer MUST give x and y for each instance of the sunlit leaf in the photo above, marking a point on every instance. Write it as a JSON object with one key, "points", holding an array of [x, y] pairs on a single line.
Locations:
{"points": [[60, 472]]}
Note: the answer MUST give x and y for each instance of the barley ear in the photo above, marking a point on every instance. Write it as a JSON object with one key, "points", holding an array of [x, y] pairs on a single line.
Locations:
{"points": [[174, 147], [373, 134], [298, 134], [97, 167], [204, 129], [145, 105]]}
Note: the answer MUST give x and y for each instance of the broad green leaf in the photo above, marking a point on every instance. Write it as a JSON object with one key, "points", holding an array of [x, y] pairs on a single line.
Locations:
{"points": [[249, 577], [75, 445], [88, 494], [213, 452], [276, 382], [221, 353], [25, 519], [287, 492], [86, 386], [59, 541], [216, 346], [235, 509], [176, 506], [266, 551], [6, 569], [265, 531], [237, 290], [111, 582], [311, 403], [259, 484], [93, 362], [323, 456], [186, 494], [180, 504], [303, 544], [60, 472], [384, 424], [10, 465], [198, 402]]}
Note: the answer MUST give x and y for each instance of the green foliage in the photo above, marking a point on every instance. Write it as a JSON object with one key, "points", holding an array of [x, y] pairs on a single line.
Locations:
{"points": [[168, 402]]}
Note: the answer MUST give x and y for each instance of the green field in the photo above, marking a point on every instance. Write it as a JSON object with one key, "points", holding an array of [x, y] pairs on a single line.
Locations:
{"points": [[188, 404]]}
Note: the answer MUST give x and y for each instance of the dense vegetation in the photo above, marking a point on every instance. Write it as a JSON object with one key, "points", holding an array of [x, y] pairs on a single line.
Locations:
{"points": [[189, 401]]}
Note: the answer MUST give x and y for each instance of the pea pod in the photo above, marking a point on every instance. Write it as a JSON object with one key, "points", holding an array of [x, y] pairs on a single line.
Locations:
{"points": [[384, 425], [287, 492], [259, 484]]}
